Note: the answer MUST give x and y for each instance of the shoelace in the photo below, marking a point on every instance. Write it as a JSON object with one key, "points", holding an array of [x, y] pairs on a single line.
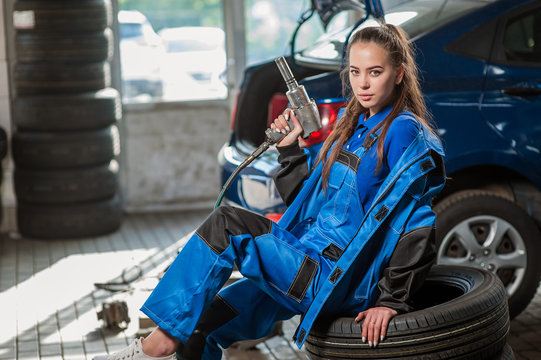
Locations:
{"points": [[129, 352]]}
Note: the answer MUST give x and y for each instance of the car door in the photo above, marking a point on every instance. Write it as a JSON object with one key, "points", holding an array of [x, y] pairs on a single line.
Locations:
{"points": [[511, 101]]}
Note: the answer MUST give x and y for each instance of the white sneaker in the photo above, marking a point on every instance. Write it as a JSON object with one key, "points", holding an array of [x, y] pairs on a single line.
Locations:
{"points": [[133, 352]]}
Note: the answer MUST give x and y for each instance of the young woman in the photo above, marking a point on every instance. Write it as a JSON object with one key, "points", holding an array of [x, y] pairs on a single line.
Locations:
{"points": [[357, 237]]}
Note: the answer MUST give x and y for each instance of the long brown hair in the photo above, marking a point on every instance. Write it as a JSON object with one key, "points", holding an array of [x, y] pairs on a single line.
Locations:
{"points": [[407, 94]]}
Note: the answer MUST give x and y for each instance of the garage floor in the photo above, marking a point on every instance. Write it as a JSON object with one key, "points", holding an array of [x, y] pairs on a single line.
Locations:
{"points": [[49, 303]]}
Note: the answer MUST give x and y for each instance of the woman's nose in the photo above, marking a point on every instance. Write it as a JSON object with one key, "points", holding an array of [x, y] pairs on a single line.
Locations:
{"points": [[364, 83]]}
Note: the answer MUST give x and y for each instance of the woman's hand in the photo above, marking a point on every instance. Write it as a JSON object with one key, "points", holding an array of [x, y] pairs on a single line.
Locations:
{"points": [[280, 125], [375, 324]]}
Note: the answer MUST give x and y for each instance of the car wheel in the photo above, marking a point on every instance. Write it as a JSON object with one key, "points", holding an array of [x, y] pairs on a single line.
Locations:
{"points": [[481, 229], [462, 314], [55, 150], [63, 186], [60, 78], [85, 219], [68, 112], [65, 47]]}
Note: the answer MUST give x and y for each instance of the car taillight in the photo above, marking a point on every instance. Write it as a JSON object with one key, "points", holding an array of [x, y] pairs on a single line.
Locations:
{"points": [[274, 216], [328, 112], [277, 105], [234, 112]]}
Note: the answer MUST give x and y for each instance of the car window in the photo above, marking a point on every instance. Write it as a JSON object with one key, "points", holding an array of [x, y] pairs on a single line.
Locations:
{"points": [[130, 30], [172, 51], [522, 38], [415, 17]]}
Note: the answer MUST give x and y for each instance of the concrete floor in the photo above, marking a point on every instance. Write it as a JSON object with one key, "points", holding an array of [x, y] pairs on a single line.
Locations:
{"points": [[49, 303]]}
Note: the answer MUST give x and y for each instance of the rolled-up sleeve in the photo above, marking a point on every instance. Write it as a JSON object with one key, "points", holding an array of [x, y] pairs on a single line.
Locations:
{"points": [[293, 171], [408, 267]]}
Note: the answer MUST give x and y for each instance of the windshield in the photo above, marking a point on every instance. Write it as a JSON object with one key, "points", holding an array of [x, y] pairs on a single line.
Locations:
{"points": [[415, 17]]}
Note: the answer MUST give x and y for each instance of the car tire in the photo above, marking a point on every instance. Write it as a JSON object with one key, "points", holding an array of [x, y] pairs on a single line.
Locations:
{"points": [[506, 354], [62, 186], [60, 78], [50, 150], [462, 314], [79, 220], [69, 47], [3, 144], [468, 220], [69, 112], [64, 16]]}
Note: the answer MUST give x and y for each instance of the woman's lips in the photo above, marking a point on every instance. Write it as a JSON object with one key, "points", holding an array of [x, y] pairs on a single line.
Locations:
{"points": [[365, 97]]}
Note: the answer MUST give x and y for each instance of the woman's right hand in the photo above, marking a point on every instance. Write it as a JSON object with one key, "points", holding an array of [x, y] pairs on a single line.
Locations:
{"points": [[280, 125]]}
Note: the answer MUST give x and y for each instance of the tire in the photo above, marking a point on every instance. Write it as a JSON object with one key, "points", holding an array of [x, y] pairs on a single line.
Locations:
{"points": [[69, 221], [506, 354], [462, 314], [66, 186], [70, 47], [59, 78], [3, 145], [63, 16], [50, 150], [475, 215], [70, 112]]}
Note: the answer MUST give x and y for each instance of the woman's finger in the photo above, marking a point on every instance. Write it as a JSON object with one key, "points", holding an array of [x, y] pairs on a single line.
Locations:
{"points": [[377, 330], [370, 322]]}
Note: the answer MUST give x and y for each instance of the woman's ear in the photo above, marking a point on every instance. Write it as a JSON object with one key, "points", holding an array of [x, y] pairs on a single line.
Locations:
{"points": [[399, 74]]}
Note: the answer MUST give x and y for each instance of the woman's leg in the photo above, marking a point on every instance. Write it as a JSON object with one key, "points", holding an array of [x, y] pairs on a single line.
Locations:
{"points": [[159, 343], [239, 312], [272, 258]]}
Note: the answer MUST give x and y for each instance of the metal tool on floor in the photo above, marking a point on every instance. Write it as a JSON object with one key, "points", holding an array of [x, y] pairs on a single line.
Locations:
{"points": [[114, 315]]}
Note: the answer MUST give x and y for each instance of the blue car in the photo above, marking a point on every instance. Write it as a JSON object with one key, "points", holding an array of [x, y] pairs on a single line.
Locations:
{"points": [[480, 62]]}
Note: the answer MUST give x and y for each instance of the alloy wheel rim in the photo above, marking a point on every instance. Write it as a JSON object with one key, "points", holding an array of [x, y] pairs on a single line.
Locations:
{"points": [[490, 243]]}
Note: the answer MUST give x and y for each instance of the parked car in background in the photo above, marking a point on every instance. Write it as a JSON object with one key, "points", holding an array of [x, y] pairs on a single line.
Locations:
{"points": [[480, 63], [141, 52], [194, 62]]}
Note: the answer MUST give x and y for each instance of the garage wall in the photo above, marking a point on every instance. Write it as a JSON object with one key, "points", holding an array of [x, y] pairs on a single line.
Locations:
{"points": [[170, 155]]}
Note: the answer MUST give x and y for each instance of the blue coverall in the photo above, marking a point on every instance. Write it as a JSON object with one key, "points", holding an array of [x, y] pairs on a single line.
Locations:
{"points": [[314, 260]]}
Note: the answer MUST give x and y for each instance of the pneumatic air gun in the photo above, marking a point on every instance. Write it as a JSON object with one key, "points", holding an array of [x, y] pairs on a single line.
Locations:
{"points": [[305, 110]]}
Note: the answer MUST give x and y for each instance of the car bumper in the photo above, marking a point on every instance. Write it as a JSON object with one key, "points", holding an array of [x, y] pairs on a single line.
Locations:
{"points": [[254, 187]]}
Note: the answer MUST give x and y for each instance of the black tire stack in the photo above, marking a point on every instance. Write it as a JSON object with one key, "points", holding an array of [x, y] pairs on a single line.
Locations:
{"points": [[66, 141]]}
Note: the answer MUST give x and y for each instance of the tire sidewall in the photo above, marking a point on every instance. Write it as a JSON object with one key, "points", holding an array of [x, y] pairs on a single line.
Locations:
{"points": [[475, 312]]}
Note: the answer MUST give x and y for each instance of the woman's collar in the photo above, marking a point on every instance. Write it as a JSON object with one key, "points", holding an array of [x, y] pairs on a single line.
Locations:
{"points": [[376, 118]]}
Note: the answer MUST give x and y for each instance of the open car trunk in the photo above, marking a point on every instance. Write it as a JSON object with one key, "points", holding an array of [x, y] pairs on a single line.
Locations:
{"points": [[260, 84]]}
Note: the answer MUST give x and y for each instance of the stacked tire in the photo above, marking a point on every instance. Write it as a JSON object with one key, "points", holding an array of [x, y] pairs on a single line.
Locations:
{"points": [[66, 142], [462, 313]]}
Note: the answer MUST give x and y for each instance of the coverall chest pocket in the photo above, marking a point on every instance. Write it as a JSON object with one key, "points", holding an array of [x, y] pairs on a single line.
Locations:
{"points": [[339, 194]]}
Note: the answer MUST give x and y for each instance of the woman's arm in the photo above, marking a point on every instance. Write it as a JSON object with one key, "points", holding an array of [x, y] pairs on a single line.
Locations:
{"points": [[292, 173], [294, 167], [408, 267]]}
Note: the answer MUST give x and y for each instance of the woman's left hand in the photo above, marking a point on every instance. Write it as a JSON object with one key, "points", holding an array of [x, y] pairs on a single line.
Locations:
{"points": [[375, 324]]}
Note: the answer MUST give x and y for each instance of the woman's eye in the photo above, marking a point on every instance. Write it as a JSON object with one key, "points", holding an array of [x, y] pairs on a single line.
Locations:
{"points": [[354, 72], [375, 72]]}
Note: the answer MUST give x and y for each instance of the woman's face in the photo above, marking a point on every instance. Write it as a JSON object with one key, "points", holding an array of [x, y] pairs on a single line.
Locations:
{"points": [[372, 76]]}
